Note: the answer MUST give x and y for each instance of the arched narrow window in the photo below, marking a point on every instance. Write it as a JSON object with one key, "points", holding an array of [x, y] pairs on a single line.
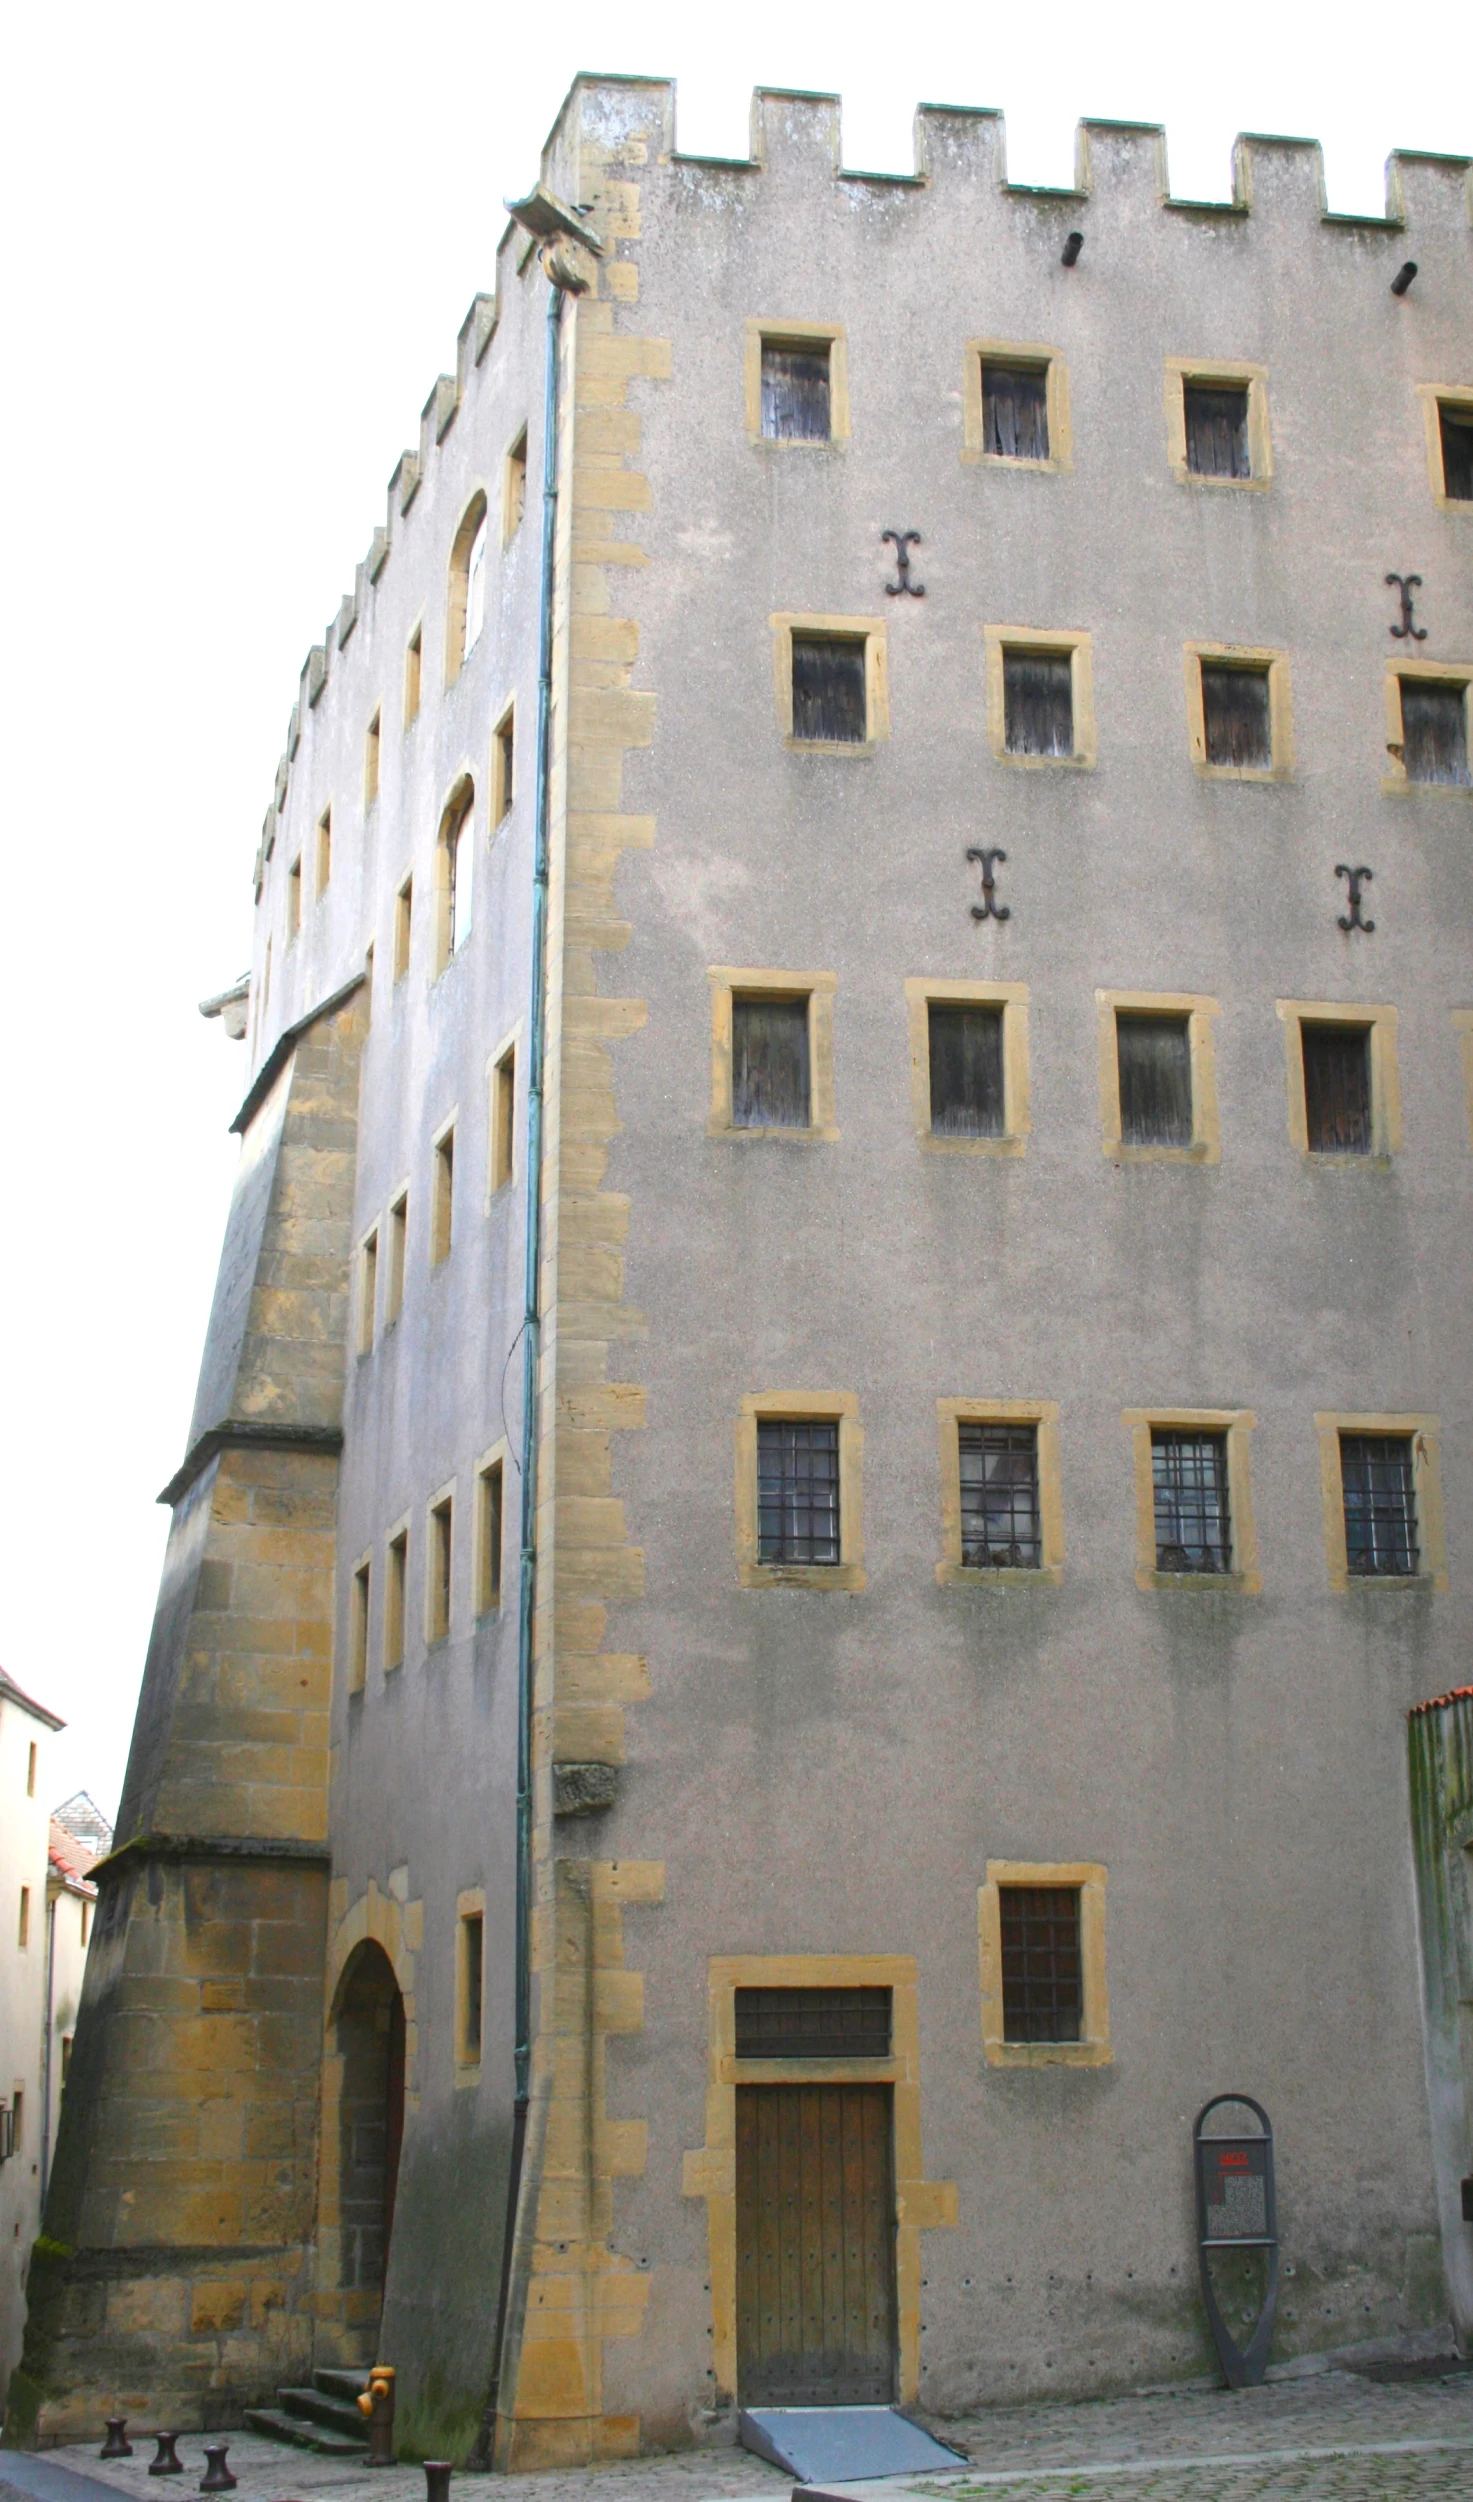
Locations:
{"points": [[466, 603], [457, 870]]}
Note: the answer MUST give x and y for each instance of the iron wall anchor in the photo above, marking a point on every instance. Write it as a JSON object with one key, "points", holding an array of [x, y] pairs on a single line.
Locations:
{"points": [[904, 541], [1357, 878], [1406, 583], [989, 909]]}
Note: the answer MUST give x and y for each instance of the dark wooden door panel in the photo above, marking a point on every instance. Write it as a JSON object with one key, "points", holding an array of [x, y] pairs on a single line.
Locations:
{"points": [[815, 2246]]}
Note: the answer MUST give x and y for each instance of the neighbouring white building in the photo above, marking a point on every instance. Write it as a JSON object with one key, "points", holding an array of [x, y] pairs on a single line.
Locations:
{"points": [[26, 1728]]}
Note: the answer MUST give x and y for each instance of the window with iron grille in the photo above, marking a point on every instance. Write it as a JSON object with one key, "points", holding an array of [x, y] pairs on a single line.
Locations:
{"points": [[1038, 703], [967, 1092], [1337, 1089], [829, 702], [1217, 429], [1237, 724], [1042, 1963], [1456, 426], [1380, 1503], [999, 1487], [770, 1074], [1154, 1057], [797, 1491], [1189, 1476], [813, 2024], [795, 391], [1434, 731], [1015, 411]]}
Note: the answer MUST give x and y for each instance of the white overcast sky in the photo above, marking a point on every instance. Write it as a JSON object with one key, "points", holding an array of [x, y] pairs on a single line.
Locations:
{"points": [[239, 243]]}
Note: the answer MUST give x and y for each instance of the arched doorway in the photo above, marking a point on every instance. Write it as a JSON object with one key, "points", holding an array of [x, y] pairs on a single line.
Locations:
{"points": [[369, 2025]]}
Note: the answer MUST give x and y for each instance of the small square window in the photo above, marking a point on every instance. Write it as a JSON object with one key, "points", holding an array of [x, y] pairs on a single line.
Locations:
{"points": [[442, 1201], [394, 1598], [372, 745], [829, 705], [413, 668], [294, 898], [1042, 1963], [1337, 1089], [358, 1600], [770, 1071], [966, 1059], [472, 1983], [403, 926], [1236, 718], [797, 1490], [1434, 730], [1155, 1068], [1001, 1523], [1015, 411], [1189, 1473], [1378, 1486], [367, 1290], [1217, 429], [503, 767], [398, 1241], [437, 1594], [1038, 703], [490, 1497], [1455, 426], [795, 390]]}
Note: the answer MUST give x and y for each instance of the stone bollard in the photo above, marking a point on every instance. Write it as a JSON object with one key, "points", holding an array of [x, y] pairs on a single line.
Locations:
{"points": [[116, 2446], [377, 2403], [217, 2477], [437, 2480], [167, 2462]]}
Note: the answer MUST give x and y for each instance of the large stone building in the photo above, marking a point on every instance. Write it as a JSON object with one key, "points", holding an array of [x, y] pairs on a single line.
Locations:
{"points": [[920, 830]]}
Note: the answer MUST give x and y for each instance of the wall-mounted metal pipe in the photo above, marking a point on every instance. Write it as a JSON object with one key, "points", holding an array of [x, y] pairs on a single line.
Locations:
{"points": [[1073, 246], [1403, 278]]}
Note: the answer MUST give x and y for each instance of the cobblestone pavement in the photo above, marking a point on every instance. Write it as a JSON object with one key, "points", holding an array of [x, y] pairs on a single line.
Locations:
{"points": [[1334, 2437]]}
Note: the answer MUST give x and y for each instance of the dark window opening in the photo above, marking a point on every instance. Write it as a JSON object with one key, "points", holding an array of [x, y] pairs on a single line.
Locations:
{"points": [[1038, 703], [1457, 452], [1015, 411], [813, 2024], [1155, 1062], [999, 1485], [1042, 1963], [797, 1492], [829, 701], [473, 1930], [1236, 720], [769, 1064], [1380, 1503], [795, 393], [1190, 1479], [1434, 729], [966, 1071], [1337, 1089], [1217, 429]]}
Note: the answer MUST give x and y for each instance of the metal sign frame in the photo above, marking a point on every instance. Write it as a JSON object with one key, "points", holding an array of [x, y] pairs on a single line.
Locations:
{"points": [[1252, 2158]]}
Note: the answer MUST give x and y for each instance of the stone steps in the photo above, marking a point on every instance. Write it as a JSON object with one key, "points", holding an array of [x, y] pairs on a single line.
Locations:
{"points": [[324, 2418]]}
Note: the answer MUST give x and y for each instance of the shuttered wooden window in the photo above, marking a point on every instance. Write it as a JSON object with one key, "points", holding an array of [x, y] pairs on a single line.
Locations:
{"points": [[797, 1491], [1189, 1477], [770, 1085], [1015, 411], [1217, 429], [1457, 451], [966, 1071], [828, 689], [1337, 1089], [1038, 703], [795, 393], [1434, 729], [1155, 1063], [999, 1490], [1236, 721], [813, 2023], [1042, 1963]]}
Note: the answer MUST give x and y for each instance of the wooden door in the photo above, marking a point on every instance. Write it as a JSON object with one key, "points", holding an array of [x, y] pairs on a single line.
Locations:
{"points": [[815, 2205]]}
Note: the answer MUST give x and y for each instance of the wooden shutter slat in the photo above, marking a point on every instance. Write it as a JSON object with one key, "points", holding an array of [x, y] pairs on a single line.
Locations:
{"points": [[1155, 1062], [1235, 716]]}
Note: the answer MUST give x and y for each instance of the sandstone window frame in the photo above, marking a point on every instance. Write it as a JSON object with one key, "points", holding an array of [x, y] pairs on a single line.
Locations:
{"points": [[414, 673], [367, 1295], [488, 1530], [455, 857], [1026, 354], [322, 854], [470, 1984], [294, 901], [731, 982], [1199, 1011], [1424, 1433], [1046, 642], [442, 1189], [803, 1407], [395, 1625], [1088, 1877], [439, 1589], [465, 574], [514, 487], [502, 1125], [788, 331], [870, 632], [503, 766], [398, 1255], [403, 925], [360, 1601], [1381, 1026], [1011, 999], [1234, 1424], [1397, 782], [1043, 1415], [373, 739], [1252, 659], [1211, 373], [1434, 397], [1463, 1028]]}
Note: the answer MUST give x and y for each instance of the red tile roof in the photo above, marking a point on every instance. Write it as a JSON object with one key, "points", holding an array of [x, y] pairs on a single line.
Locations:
{"points": [[69, 1858]]}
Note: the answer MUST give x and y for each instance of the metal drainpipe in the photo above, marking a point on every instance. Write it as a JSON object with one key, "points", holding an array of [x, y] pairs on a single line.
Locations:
{"points": [[532, 1328]]}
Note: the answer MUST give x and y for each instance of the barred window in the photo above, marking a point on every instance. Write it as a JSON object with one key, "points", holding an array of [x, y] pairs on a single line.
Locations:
{"points": [[829, 702], [1038, 703], [1337, 1089], [1190, 1479], [1015, 411], [1236, 719], [797, 1491], [1434, 730], [999, 1482], [1042, 1963], [1153, 1054], [795, 392], [1380, 1503], [813, 2023], [967, 1096], [1217, 429]]}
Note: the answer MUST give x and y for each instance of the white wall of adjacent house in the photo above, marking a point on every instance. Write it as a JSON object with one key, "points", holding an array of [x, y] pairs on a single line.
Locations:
{"points": [[25, 1787], [71, 1909]]}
